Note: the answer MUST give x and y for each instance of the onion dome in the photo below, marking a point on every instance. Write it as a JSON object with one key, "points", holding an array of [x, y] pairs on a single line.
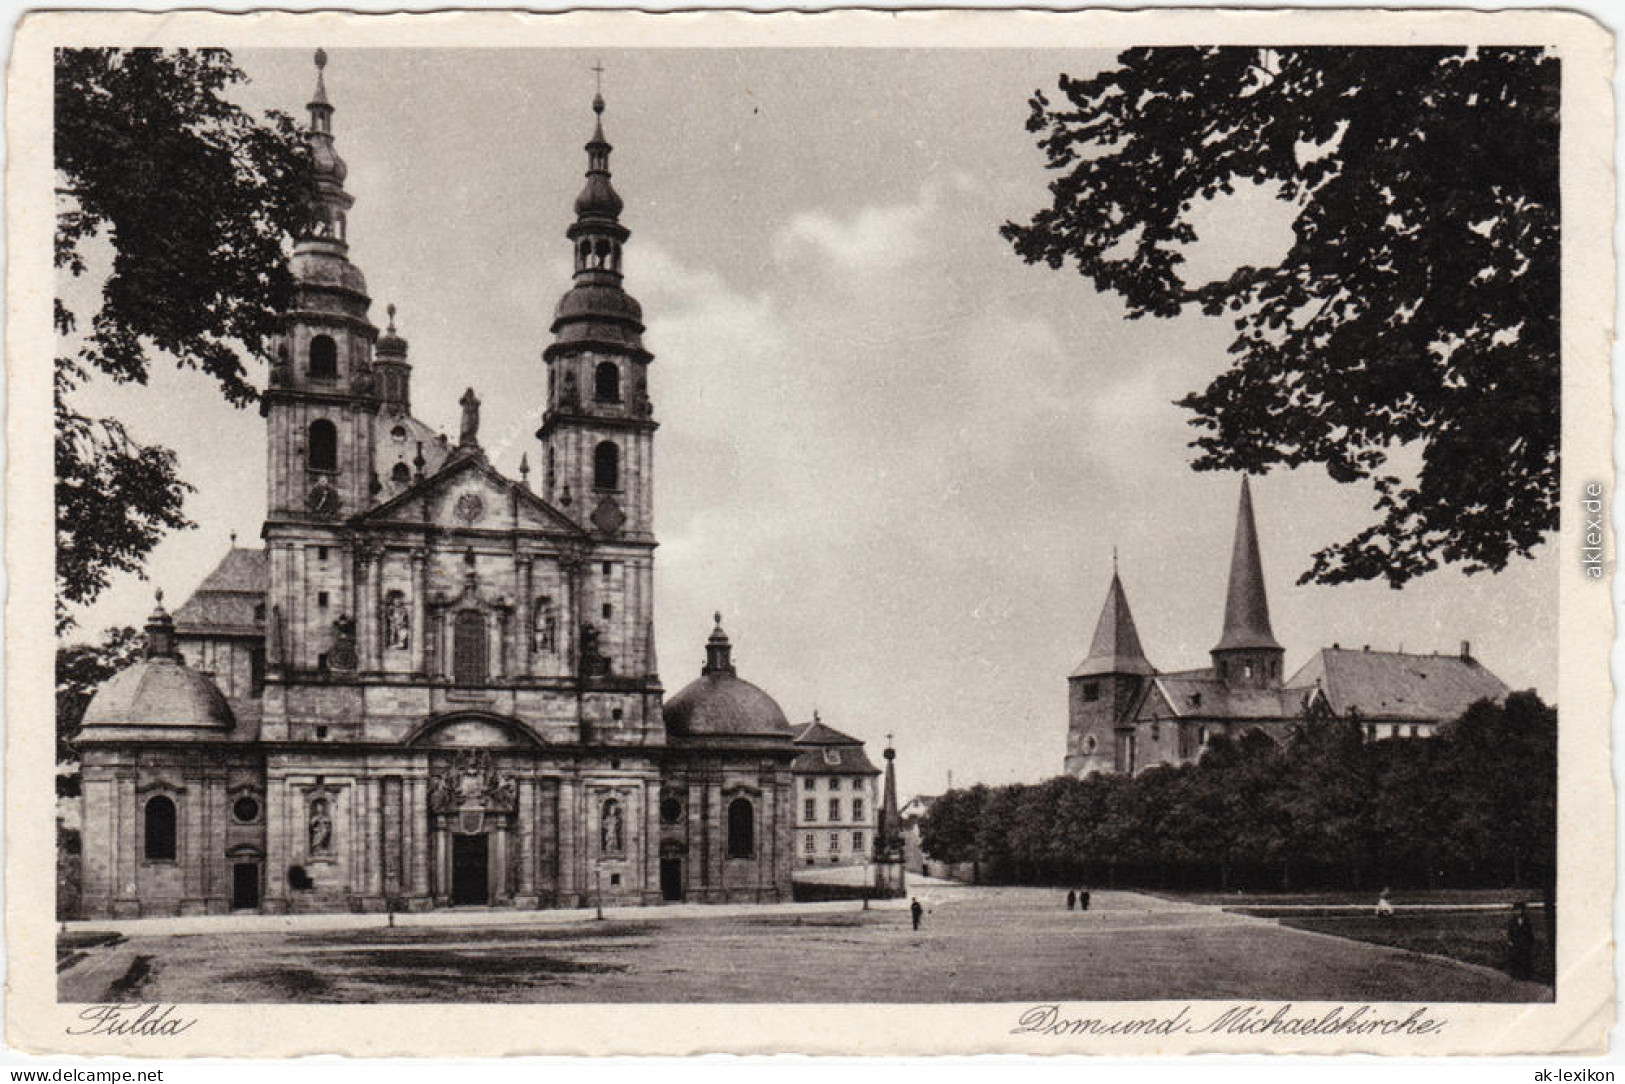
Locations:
{"points": [[599, 198], [597, 310], [390, 344], [721, 703], [319, 257], [158, 693]]}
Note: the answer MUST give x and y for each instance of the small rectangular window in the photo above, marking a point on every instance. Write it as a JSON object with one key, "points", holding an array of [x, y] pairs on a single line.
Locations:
{"points": [[809, 783], [834, 809], [834, 783], [810, 845], [811, 809], [857, 809], [835, 843], [609, 611], [614, 879], [321, 661], [321, 599], [857, 784], [609, 568], [857, 841], [1091, 691], [321, 553]]}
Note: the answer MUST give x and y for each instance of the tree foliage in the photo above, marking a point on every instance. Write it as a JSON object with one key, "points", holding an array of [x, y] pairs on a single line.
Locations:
{"points": [[196, 200], [1473, 805], [1418, 303]]}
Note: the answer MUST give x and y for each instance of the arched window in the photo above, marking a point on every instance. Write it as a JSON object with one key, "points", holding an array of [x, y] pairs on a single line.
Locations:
{"points": [[741, 829], [400, 473], [322, 450], [607, 382], [606, 466], [324, 358], [160, 829], [468, 648]]}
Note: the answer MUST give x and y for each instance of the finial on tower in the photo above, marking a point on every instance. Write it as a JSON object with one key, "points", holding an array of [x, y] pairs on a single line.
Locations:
{"points": [[321, 59], [234, 538], [391, 310], [718, 650]]}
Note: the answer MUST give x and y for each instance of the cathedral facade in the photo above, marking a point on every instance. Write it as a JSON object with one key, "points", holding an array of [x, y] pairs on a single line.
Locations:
{"points": [[435, 685], [1126, 715]]}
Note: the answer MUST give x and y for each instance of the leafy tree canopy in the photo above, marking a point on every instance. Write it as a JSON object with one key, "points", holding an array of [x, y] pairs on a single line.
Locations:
{"points": [[196, 200], [1416, 307], [80, 671]]}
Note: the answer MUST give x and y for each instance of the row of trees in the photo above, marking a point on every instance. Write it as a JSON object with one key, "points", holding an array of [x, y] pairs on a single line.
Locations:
{"points": [[1474, 805]]}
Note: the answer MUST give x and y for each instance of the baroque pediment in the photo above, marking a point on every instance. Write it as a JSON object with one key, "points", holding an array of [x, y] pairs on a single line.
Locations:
{"points": [[468, 494]]}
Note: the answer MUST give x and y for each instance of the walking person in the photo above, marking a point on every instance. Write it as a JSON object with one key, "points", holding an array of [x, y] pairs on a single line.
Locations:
{"points": [[1083, 899], [1385, 907], [1071, 899], [1520, 943], [916, 911]]}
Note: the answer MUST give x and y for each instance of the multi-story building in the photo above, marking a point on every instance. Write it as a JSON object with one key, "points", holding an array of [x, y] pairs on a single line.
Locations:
{"points": [[835, 801]]}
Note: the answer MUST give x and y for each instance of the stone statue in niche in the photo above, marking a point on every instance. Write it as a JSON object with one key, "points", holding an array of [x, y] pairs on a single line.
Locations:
{"points": [[612, 830], [572, 397], [545, 636], [593, 663], [397, 622], [321, 827]]}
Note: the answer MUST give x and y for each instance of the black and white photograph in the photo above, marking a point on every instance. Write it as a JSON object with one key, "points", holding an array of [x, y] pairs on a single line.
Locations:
{"points": [[1083, 530]]}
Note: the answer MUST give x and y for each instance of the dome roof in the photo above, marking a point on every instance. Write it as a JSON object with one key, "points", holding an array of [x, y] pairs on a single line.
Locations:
{"points": [[722, 703], [315, 265], [596, 300], [159, 692]]}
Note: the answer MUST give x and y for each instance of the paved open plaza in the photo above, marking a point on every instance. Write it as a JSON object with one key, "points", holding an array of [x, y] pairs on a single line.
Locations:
{"points": [[975, 944]]}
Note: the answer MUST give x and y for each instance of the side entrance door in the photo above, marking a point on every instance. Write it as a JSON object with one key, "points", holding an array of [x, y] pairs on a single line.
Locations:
{"points": [[671, 878], [245, 885]]}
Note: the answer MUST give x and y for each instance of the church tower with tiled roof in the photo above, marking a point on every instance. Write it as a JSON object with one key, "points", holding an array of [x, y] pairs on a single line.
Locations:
{"points": [[1104, 687], [1247, 654]]}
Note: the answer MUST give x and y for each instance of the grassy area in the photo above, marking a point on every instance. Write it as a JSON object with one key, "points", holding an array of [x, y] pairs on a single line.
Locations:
{"points": [[1475, 937], [1367, 897]]}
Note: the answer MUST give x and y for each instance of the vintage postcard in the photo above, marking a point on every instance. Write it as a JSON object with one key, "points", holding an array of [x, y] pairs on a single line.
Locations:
{"points": [[597, 533]]}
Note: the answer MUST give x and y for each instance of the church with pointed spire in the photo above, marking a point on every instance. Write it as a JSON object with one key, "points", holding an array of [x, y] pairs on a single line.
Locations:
{"points": [[435, 685], [1126, 715]]}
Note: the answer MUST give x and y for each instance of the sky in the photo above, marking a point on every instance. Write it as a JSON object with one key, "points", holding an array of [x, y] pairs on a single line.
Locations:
{"points": [[895, 457]]}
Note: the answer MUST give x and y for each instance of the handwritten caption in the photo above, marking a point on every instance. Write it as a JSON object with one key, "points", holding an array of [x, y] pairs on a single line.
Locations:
{"points": [[1234, 1020], [131, 1020]]}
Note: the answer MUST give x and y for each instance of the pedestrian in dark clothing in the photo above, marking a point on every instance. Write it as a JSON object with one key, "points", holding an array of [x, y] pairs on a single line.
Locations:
{"points": [[1071, 899], [1083, 900], [917, 911], [1520, 943]]}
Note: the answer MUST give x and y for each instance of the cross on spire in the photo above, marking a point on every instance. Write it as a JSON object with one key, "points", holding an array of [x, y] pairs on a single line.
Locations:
{"points": [[598, 75]]}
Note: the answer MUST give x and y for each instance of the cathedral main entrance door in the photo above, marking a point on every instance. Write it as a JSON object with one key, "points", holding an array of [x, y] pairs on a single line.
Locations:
{"points": [[245, 885], [470, 871], [671, 878]]}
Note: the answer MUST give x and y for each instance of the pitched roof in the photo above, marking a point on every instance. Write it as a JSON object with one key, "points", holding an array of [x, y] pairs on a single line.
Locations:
{"points": [[1396, 685], [1116, 646], [826, 751], [1246, 608], [227, 597], [1200, 694], [819, 733]]}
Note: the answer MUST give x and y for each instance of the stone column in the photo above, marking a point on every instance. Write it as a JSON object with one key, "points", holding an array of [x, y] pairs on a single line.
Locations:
{"points": [[498, 889], [716, 839], [420, 611], [277, 858], [547, 836], [569, 831], [417, 817], [526, 616], [192, 848], [126, 888], [525, 840]]}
